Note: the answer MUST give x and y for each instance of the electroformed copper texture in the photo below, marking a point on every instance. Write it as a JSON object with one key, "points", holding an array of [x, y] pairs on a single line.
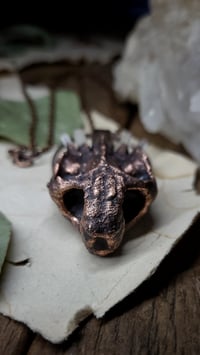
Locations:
{"points": [[102, 190]]}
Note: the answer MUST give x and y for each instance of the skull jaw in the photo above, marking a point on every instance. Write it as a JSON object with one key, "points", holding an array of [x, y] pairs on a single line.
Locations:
{"points": [[100, 245], [103, 244]]}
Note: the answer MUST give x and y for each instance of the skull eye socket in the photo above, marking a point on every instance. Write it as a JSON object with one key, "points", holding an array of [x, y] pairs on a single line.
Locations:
{"points": [[134, 202], [74, 202]]}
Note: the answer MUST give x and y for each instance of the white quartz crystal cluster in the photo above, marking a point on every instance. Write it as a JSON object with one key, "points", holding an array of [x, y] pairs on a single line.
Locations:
{"points": [[160, 69]]}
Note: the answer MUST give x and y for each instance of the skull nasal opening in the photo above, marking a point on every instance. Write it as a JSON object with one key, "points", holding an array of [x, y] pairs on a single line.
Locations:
{"points": [[100, 244], [73, 201]]}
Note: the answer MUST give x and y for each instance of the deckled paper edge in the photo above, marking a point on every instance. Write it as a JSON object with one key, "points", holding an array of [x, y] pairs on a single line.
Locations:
{"points": [[99, 314], [87, 311]]}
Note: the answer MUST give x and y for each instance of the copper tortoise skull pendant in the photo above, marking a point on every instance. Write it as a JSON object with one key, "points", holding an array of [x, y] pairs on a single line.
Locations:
{"points": [[101, 189]]}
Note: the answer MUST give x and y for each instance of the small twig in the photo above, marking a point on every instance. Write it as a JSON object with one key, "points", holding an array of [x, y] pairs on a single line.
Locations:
{"points": [[50, 140], [24, 156], [84, 103], [34, 118]]}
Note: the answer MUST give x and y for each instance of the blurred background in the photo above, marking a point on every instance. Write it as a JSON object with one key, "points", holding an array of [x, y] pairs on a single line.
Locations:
{"points": [[114, 18]]}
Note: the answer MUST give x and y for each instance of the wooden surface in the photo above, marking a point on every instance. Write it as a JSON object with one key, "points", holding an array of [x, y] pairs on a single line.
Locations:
{"points": [[163, 315]]}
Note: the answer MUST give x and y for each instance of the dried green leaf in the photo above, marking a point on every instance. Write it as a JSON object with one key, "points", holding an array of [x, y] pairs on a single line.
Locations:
{"points": [[16, 118], [5, 232]]}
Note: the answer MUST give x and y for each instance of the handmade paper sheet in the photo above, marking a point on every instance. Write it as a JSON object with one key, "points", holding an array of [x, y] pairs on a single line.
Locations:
{"points": [[50, 281]]}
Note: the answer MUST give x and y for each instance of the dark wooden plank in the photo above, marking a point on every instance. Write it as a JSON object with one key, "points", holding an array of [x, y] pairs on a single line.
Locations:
{"points": [[15, 337], [167, 323]]}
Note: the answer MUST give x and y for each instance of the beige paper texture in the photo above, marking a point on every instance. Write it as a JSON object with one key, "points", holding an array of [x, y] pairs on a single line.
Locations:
{"points": [[61, 283]]}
